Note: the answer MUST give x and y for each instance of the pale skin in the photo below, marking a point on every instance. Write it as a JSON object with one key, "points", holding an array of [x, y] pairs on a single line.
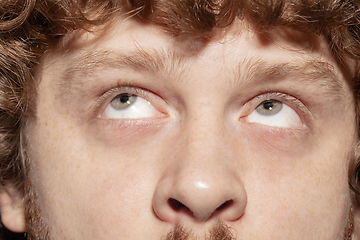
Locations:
{"points": [[198, 137]]}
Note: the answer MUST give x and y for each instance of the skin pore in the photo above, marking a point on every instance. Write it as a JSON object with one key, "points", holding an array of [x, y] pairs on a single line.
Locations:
{"points": [[139, 135]]}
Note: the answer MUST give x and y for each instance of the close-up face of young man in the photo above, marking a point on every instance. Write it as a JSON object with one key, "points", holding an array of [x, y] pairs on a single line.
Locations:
{"points": [[139, 134]]}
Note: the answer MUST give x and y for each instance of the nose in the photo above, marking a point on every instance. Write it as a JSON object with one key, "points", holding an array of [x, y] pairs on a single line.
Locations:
{"points": [[201, 179]]}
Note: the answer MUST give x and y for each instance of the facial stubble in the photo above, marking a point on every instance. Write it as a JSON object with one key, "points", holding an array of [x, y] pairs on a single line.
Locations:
{"points": [[38, 229]]}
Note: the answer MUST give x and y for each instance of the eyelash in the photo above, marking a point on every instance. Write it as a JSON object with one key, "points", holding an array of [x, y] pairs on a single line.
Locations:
{"points": [[122, 89], [293, 102], [250, 105], [107, 96]]}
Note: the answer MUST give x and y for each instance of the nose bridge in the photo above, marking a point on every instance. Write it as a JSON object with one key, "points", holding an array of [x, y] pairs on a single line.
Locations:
{"points": [[206, 148], [205, 167], [204, 135], [201, 182]]}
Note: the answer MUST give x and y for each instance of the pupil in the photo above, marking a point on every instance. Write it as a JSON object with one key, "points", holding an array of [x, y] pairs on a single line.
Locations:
{"points": [[268, 105], [124, 98]]}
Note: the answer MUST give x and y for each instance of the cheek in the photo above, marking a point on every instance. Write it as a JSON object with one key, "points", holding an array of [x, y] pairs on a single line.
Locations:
{"points": [[93, 185], [83, 184], [296, 203], [299, 181]]}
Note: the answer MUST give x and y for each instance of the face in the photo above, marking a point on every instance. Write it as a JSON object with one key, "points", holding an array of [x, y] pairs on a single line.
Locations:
{"points": [[140, 135]]}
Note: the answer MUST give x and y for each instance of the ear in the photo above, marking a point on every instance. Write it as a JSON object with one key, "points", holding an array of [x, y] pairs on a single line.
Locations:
{"points": [[12, 209]]}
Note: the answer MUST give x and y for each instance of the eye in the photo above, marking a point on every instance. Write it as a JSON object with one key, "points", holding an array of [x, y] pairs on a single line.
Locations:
{"points": [[269, 107], [129, 106], [275, 114]]}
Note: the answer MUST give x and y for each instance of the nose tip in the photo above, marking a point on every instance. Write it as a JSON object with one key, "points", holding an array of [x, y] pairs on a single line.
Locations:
{"points": [[206, 201], [202, 177], [199, 200]]}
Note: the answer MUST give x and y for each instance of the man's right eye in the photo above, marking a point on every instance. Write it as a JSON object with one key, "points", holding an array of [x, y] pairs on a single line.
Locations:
{"points": [[129, 106]]}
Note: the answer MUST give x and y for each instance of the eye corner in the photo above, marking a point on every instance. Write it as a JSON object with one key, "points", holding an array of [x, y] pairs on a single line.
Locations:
{"points": [[130, 104], [276, 110]]}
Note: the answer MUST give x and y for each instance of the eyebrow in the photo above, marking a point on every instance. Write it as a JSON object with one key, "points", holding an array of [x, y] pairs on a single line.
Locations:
{"points": [[141, 60], [153, 61], [311, 72]]}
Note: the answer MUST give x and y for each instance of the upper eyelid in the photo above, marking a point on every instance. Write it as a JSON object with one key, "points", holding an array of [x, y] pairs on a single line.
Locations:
{"points": [[155, 100], [255, 100], [108, 95], [122, 89], [286, 99], [279, 96]]}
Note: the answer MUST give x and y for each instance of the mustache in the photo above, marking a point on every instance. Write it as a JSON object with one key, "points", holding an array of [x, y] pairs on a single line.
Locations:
{"points": [[218, 231]]}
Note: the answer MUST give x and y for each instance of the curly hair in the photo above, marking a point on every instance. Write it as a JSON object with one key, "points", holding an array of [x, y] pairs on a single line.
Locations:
{"points": [[28, 28]]}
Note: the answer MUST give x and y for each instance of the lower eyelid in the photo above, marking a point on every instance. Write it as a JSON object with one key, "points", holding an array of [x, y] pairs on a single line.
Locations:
{"points": [[136, 109], [293, 102], [156, 102]]}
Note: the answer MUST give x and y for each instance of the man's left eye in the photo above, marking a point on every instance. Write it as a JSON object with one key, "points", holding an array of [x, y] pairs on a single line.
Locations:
{"points": [[129, 106], [275, 114]]}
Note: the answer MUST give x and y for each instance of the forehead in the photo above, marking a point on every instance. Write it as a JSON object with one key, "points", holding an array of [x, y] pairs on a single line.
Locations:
{"points": [[195, 79], [129, 35], [238, 52]]}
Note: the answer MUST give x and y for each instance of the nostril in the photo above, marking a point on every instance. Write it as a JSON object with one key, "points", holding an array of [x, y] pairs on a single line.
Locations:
{"points": [[225, 205], [175, 204]]}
